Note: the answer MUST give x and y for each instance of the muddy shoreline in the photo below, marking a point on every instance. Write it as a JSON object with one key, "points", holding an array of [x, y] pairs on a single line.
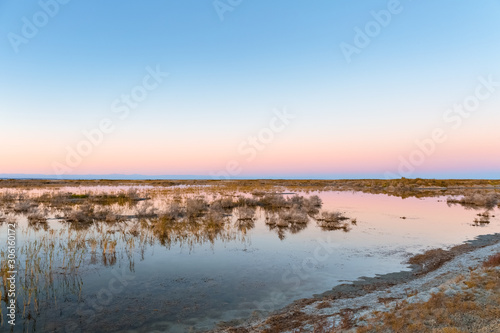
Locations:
{"points": [[365, 285]]}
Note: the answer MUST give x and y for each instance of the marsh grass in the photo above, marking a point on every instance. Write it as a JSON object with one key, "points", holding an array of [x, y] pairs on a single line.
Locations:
{"points": [[37, 219], [492, 261], [24, 206], [488, 200], [431, 259], [335, 221], [196, 207]]}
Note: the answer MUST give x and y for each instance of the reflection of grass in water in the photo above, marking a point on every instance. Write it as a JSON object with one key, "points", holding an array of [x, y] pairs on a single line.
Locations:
{"points": [[49, 263], [190, 232], [483, 219], [49, 266], [46, 268]]}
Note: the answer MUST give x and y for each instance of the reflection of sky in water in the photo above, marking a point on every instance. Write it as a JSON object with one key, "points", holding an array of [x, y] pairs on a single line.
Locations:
{"points": [[179, 287]]}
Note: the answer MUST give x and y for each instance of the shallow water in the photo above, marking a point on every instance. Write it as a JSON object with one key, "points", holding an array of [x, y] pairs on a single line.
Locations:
{"points": [[194, 279]]}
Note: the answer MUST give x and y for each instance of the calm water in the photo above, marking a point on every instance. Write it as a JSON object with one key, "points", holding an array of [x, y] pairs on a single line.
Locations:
{"points": [[193, 279]]}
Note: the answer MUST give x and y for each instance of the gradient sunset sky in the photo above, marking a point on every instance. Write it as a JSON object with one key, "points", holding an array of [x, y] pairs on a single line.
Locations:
{"points": [[232, 66]]}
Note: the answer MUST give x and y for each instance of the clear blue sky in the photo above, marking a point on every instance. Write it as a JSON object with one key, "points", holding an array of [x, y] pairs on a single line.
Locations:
{"points": [[226, 77]]}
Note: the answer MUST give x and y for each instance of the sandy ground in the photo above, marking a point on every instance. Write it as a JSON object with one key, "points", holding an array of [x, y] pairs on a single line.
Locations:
{"points": [[378, 294]]}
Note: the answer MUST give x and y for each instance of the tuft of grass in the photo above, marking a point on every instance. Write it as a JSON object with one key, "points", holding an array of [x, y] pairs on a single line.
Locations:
{"points": [[196, 207], [334, 221], [24, 206], [431, 259], [492, 261], [478, 199]]}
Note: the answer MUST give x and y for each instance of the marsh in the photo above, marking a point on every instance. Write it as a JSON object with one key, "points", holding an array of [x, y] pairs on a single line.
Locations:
{"points": [[173, 258]]}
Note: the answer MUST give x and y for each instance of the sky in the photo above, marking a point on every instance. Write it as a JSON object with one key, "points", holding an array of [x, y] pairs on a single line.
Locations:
{"points": [[250, 89]]}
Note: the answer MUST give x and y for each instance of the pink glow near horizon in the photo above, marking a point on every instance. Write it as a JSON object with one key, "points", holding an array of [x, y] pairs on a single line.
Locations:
{"points": [[358, 160]]}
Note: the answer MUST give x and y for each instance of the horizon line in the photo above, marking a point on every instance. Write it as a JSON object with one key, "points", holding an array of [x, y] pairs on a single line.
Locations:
{"points": [[117, 176]]}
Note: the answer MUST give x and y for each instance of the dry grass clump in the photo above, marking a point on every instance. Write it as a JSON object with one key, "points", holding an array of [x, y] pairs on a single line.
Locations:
{"points": [[175, 211], [37, 217], [288, 322], [38, 221], [24, 206], [492, 261], [323, 305], [85, 215], [244, 201], [333, 221], [315, 201], [258, 193], [82, 214], [223, 203], [8, 196], [196, 207], [272, 201], [145, 210], [276, 201], [479, 199], [431, 259]]}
